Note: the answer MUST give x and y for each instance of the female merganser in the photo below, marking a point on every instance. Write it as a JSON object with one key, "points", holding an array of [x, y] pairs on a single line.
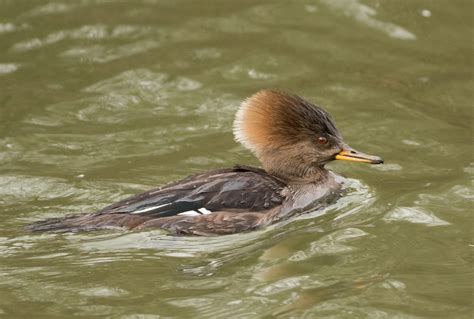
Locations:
{"points": [[292, 138]]}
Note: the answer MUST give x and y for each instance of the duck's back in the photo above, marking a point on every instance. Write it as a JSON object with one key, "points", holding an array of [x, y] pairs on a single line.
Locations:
{"points": [[217, 201]]}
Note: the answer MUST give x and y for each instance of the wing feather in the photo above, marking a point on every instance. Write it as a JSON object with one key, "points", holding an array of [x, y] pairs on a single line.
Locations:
{"points": [[240, 188]]}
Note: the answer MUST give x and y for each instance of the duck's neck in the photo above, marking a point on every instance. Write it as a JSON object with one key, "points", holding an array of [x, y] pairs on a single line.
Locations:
{"points": [[292, 174], [292, 165], [316, 175]]}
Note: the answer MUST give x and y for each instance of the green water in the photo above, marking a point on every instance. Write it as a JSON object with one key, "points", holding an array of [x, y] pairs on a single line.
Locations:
{"points": [[100, 100]]}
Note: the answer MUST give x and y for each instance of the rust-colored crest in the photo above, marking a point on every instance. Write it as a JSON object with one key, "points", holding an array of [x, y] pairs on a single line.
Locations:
{"points": [[270, 119]]}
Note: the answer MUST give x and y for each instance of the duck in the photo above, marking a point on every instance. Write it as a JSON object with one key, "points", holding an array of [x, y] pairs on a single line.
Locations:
{"points": [[292, 138]]}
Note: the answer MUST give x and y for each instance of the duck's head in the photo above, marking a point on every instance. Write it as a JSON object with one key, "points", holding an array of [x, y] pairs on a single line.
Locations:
{"points": [[292, 138]]}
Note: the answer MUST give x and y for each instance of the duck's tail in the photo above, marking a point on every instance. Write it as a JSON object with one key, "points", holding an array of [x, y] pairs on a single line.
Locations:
{"points": [[88, 222], [71, 223]]}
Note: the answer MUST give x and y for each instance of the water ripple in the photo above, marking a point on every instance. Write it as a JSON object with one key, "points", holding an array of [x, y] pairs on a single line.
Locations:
{"points": [[417, 215], [365, 15]]}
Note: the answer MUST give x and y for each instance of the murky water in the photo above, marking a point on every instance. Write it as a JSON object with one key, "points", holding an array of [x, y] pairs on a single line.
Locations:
{"points": [[100, 100]]}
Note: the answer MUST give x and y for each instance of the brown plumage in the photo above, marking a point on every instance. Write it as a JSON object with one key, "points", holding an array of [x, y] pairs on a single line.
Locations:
{"points": [[292, 138]]}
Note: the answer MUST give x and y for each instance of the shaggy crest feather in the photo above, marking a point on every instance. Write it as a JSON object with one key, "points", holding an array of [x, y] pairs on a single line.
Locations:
{"points": [[239, 122], [270, 119]]}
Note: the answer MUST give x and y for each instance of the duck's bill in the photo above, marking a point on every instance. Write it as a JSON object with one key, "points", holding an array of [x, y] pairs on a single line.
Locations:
{"points": [[350, 154]]}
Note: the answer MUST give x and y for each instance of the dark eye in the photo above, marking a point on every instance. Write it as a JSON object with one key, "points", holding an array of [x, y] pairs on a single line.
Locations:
{"points": [[322, 140]]}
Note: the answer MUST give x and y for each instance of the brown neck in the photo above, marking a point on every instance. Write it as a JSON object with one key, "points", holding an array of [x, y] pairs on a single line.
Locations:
{"points": [[313, 175], [292, 168]]}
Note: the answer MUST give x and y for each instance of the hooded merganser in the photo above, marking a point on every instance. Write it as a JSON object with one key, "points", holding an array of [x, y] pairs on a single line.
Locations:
{"points": [[292, 138]]}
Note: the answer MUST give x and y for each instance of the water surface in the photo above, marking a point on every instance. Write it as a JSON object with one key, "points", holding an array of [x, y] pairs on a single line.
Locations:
{"points": [[100, 100]]}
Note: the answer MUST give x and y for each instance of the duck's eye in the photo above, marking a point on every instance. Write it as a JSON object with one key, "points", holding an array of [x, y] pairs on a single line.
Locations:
{"points": [[322, 140]]}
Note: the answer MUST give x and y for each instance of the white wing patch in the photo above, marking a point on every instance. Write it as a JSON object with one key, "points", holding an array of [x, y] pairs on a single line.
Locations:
{"points": [[197, 212], [144, 210], [204, 211], [190, 213]]}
